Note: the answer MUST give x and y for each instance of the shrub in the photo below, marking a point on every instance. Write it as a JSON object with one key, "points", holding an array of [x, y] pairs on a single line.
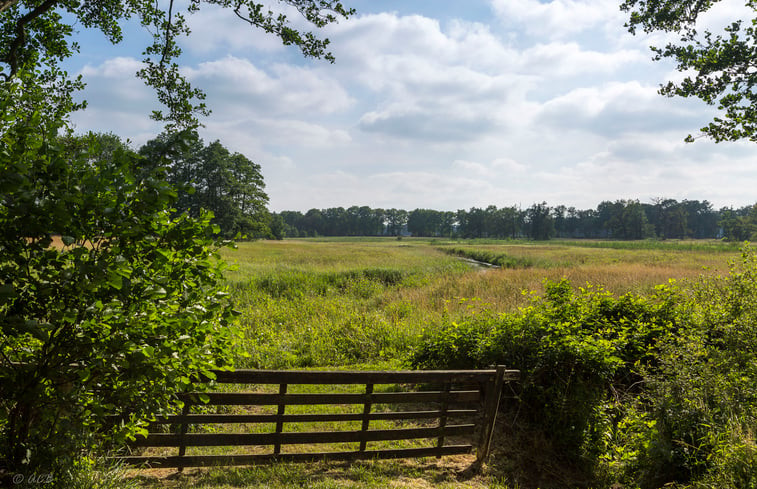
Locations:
{"points": [[572, 348], [116, 319]]}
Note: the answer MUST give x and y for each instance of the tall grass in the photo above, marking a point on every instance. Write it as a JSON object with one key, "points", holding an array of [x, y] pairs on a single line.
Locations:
{"points": [[311, 303]]}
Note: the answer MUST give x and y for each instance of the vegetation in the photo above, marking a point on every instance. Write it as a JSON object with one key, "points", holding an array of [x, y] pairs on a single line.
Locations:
{"points": [[383, 302], [619, 220], [719, 68], [645, 390], [113, 322], [210, 178], [119, 318]]}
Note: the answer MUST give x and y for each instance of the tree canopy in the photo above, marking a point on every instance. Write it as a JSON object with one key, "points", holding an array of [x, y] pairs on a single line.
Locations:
{"points": [[36, 35], [720, 67], [111, 288], [211, 178]]}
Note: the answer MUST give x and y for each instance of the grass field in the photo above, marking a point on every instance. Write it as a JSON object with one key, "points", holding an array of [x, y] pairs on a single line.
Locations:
{"points": [[364, 303], [308, 303]]}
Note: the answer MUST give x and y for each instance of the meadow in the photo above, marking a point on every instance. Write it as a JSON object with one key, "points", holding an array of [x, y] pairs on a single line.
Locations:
{"points": [[369, 303], [333, 302]]}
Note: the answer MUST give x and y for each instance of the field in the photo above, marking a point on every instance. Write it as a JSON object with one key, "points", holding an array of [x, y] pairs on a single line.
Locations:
{"points": [[308, 303], [365, 303]]}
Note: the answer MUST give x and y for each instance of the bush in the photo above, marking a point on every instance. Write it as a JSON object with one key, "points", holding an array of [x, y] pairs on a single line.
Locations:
{"points": [[649, 391], [112, 320], [571, 348], [702, 395]]}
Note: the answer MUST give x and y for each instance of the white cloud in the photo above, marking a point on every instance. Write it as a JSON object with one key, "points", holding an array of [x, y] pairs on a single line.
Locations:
{"points": [[616, 108], [550, 101], [236, 85], [557, 19]]}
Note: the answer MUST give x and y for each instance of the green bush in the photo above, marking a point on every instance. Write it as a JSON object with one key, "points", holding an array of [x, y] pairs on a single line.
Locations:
{"points": [[571, 348], [702, 393], [648, 391], [117, 318]]}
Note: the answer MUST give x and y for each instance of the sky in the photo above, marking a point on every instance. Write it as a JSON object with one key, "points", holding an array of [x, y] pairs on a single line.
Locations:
{"points": [[440, 104]]}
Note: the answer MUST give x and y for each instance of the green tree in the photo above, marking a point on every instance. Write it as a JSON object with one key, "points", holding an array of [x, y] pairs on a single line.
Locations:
{"points": [[541, 225], [36, 35], [719, 67], [115, 318], [211, 178], [424, 222], [395, 221]]}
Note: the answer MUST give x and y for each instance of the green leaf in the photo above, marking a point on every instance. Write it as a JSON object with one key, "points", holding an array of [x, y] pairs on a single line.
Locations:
{"points": [[115, 280]]}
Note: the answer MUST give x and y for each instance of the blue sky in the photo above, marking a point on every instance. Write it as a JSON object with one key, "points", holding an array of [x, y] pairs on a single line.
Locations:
{"points": [[440, 104]]}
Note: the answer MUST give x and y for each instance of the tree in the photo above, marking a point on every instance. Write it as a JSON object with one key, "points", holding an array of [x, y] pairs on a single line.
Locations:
{"points": [[118, 315], [424, 222], [129, 306], [541, 225], [722, 67], [395, 221], [35, 36], [213, 179]]}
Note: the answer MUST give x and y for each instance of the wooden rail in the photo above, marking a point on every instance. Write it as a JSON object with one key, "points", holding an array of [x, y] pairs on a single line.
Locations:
{"points": [[460, 403]]}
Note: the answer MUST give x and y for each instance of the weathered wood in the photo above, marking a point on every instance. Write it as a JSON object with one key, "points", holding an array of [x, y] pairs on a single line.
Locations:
{"points": [[244, 376], [265, 399], [229, 460], [366, 416], [183, 427], [493, 395], [279, 418], [443, 417], [244, 439], [457, 393], [305, 418]]}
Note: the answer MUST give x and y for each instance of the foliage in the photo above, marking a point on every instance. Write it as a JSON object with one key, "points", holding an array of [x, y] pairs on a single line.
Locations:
{"points": [[651, 390], [210, 178], [571, 349], [721, 66], [702, 397], [621, 220], [739, 226], [35, 36], [112, 319]]}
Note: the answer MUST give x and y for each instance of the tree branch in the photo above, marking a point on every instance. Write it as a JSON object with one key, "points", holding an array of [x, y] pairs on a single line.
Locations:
{"points": [[6, 4], [18, 42]]}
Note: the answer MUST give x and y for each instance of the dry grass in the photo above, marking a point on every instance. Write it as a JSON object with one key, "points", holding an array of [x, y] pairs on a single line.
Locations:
{"points": [[363, 322]]}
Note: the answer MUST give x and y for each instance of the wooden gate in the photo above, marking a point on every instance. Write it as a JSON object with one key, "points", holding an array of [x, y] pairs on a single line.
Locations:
{"points": [[453, 403]]}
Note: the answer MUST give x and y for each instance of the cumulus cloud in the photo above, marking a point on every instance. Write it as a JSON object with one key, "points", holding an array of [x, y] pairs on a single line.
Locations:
{"points": [[557, 19], [614, 109], [548, 101], [235, 84]]}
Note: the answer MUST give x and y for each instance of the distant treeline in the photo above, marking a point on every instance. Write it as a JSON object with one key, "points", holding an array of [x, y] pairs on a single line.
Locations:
{"points": [[622, 219]]}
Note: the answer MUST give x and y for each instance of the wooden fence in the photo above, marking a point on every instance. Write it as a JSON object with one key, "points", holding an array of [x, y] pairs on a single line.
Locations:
{"points": [[453, 403]]}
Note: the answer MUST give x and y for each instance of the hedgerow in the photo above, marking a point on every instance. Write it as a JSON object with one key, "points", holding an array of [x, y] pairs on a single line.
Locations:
{"points": [[640, 389]]}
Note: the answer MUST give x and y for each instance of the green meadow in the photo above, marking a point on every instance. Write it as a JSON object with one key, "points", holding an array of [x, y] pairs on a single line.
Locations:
{"points": [[374, 303], [335, 302]]}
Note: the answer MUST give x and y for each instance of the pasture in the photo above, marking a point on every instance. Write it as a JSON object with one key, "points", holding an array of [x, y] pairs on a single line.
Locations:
{"points": [[366, 303], [335, 302]]}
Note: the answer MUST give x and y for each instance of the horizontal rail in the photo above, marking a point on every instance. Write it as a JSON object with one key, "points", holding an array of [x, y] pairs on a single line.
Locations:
{"points": [[463, 395], [229, 460], [263, 399], [243, 439], [246, 376], [306, 418]]}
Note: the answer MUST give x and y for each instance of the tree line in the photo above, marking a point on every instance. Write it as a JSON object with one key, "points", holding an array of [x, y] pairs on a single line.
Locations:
{"points": [[622, 219]]}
